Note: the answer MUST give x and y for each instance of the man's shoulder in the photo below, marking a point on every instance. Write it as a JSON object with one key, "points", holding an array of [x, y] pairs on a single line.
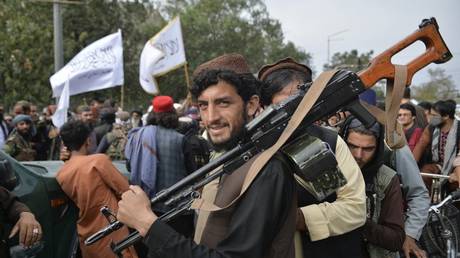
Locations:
{"points": [[278, 167], [85, 162], [14, 136], [97, 158], [92, 160], [163, 130], [385, 175], [386, 169]]}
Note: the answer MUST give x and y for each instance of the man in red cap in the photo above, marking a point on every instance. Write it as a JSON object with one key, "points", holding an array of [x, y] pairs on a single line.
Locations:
{"points": [[261, 223], [159, 156]]}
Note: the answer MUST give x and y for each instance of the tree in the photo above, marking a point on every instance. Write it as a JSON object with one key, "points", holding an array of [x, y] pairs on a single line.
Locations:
{"points": [[210, 28], [439, 87], [26, 62], [352, 60]]}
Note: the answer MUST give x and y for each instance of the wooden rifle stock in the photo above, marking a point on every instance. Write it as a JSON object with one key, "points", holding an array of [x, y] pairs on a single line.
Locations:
{"points": [[381, 67]]}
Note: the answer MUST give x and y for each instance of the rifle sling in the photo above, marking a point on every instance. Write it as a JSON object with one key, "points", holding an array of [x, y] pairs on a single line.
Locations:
{"points": [[394, 133], [302, 110]]}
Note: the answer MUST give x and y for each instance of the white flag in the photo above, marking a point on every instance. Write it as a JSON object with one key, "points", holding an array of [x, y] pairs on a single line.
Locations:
{"points": [[60, 116], [149, 56], [98, 66], [169, 41]]}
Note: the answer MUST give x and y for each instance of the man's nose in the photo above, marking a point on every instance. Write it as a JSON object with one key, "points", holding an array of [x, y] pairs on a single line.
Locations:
{"points": [[212, 113], [359, 153]]}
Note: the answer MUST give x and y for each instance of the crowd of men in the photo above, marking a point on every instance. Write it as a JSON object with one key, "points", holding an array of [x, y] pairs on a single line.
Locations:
{"points": [[378, 208]]}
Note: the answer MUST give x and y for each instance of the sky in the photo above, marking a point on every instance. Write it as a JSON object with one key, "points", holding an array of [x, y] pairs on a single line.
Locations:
{"points": [[368, 25]]}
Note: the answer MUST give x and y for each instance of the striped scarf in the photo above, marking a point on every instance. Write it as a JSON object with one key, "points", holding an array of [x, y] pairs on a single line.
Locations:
{"points": [[450, 149]]}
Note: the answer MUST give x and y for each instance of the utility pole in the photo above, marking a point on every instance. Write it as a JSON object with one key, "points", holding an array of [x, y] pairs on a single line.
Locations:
{"points": [[331, 38], [58, 49], [57, 27]]}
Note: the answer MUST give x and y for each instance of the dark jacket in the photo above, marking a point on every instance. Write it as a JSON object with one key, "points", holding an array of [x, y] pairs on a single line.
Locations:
{"points": [[260, 224], [388, 232], [10, 209]]}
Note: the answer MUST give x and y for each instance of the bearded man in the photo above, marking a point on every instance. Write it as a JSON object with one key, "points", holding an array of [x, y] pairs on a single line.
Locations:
{"points": [[18, 144]]}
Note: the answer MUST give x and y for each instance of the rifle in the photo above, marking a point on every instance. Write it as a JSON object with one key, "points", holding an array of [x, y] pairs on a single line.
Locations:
{"points": [[340, 93]]}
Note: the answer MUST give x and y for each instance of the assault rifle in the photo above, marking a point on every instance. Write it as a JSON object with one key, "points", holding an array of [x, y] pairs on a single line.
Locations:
{"points": [[340, 93]]}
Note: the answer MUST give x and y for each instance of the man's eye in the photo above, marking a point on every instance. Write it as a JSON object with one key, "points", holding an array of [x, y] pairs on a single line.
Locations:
{"points": [[351, 146], [224, 103], [369, 149]]}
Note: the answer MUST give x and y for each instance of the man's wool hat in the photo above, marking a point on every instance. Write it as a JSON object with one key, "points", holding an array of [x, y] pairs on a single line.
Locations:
{"points": [[375, 128], [21, 118], [286, 63], [162, 104], [233, 62]]}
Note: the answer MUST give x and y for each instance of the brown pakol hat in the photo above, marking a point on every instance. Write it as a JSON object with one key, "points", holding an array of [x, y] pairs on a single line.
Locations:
{"points": [[233, 62], [286, 63]]}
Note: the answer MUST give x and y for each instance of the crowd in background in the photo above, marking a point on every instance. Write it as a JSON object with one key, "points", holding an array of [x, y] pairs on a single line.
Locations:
{"points": [[168, 141], [27, 132]]}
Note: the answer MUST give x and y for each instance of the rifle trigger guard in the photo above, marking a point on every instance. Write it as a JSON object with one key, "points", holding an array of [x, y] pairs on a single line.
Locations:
{"points": [[108, 214]]}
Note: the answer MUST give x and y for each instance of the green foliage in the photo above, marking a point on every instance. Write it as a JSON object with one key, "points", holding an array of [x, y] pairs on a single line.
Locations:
{"points": [[439, 87], [352, 60], [26, 36], [210, 28]]}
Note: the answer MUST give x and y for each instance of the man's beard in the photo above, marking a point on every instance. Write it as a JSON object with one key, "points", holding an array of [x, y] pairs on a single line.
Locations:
{"points": [[25, 133], [235, 137], [135, 121], [230, 143]]}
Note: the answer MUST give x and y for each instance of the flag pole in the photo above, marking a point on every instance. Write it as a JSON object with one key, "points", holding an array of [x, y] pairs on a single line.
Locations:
{"points": [[188, 100], [187, 78], [122, 96]]}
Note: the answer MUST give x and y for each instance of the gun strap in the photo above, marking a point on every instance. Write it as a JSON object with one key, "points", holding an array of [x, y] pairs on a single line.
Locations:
{"points": [[394, 133], [302, 110]]}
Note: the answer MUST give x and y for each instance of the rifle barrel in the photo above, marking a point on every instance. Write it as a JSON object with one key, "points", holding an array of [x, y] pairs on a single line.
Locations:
{"points": [[434, 176]]}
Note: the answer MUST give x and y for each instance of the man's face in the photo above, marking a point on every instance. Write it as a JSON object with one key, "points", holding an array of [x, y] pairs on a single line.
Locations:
{"points": [[223, 113], [86, 116], [33, 113], [17, 110], [23, 127], [434, 113], [405, 117], [135, 116], [362, 147], [287, 91], [8, 119]]}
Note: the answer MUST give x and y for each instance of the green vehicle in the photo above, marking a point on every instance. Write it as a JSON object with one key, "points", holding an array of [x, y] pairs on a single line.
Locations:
{"points": [[36, 186]]}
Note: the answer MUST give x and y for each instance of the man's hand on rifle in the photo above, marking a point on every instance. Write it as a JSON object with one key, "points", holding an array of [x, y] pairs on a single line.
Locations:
{"points": [[454, 177], [134, 210]]}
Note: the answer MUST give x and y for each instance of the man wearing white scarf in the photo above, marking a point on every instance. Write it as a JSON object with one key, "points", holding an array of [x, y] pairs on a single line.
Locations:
{"points": [[440, 138]]}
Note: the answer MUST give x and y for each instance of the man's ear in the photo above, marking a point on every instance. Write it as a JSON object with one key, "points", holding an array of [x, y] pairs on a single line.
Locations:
{"points": [[252, 105]]}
